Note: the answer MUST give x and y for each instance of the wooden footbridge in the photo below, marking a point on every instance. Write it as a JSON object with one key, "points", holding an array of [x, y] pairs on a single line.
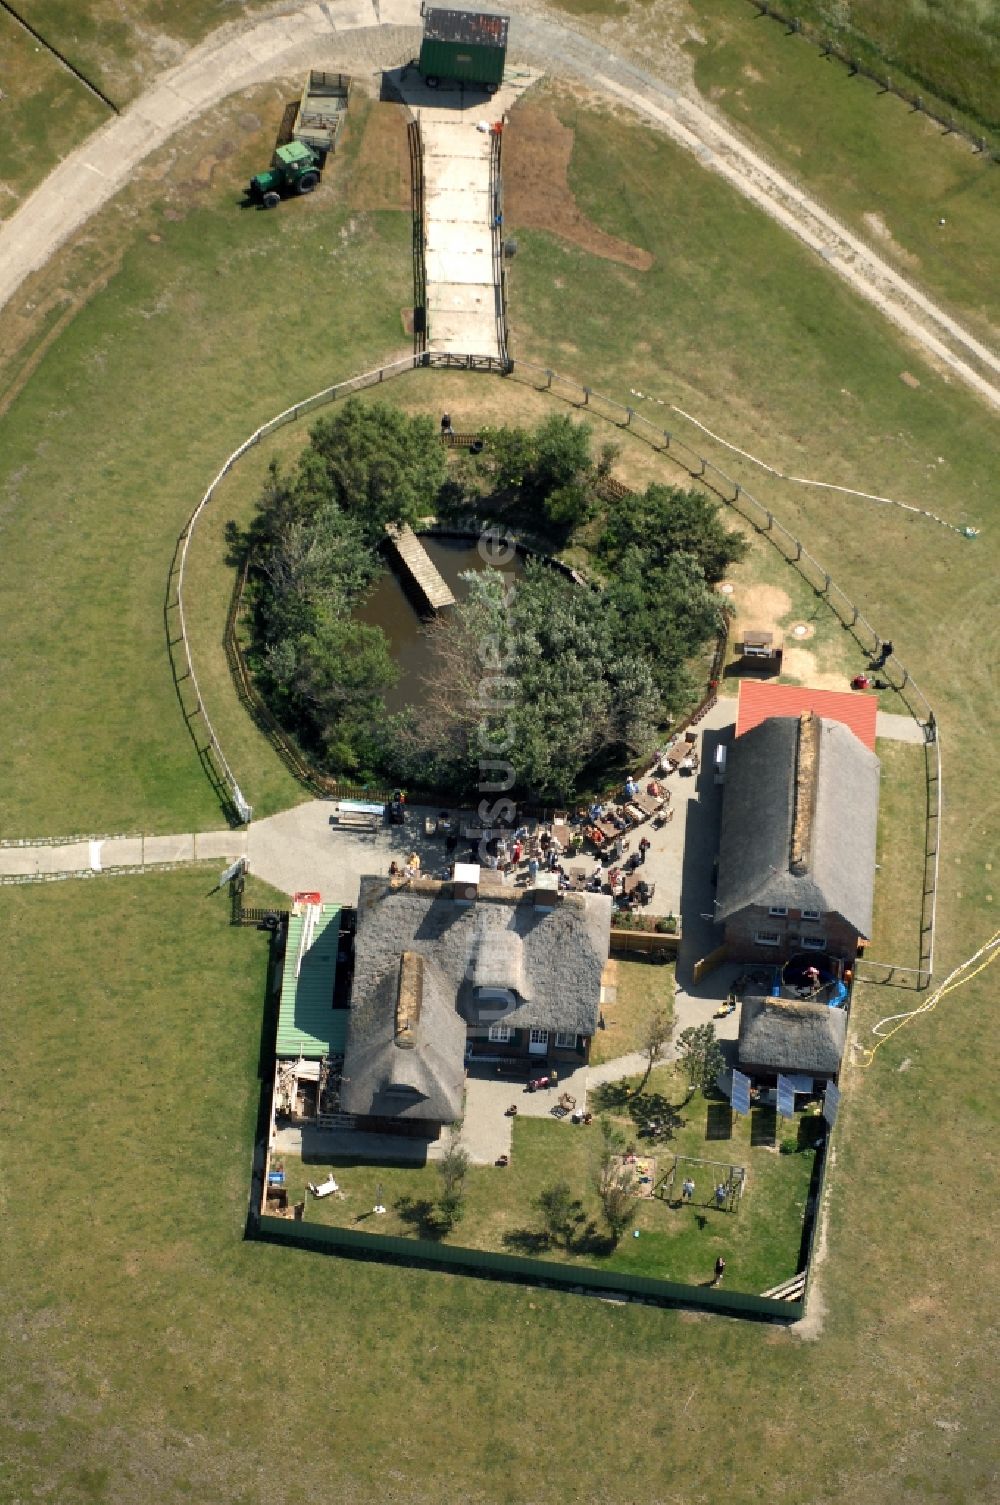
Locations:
{"points": [[417, 563]]}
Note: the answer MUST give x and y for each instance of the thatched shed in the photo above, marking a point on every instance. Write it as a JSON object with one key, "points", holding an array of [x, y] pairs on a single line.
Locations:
{"points": [[780, 1035]]}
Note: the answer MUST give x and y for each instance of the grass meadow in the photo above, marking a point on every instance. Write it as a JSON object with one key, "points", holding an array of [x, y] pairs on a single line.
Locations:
{"points": [[155, 1353]]}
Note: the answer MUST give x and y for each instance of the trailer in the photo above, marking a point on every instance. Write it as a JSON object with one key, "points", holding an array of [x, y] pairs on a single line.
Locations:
{"points": [[321, 112], [467, 46]]}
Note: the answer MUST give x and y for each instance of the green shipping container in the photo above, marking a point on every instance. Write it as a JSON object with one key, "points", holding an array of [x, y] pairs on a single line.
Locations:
{"points": [[468, 46]]}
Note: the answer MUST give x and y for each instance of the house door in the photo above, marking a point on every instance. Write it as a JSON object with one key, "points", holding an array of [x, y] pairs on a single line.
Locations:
{"points": [[538, 1042]]}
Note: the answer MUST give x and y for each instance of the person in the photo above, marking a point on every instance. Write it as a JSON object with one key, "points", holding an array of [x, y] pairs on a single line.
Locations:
{"points": [[446, 423], [687, 1189], [554, 1077], [885, 654], [393, 869], [720, 1195], [644, 846], [532, 868], [517, 851], [720, 1270], [812, 976]]}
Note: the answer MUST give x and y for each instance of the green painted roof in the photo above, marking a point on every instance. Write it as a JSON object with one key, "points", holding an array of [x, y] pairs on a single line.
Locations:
{"points": [[308, 1024]]}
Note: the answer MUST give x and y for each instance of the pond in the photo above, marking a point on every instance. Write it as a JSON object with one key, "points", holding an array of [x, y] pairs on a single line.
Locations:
{"points": [[391, 606]]}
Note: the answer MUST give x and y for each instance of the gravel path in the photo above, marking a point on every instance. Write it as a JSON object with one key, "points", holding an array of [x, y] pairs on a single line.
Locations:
{"points": [[365, 35]]}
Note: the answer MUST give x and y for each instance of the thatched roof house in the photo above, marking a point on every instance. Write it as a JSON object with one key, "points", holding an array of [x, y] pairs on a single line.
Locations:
{"points": [[406, 1046], [799, 823], [483, 954], [778, 1034]]}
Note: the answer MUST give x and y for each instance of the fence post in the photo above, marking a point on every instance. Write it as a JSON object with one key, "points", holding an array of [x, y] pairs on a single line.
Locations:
{"points": [[630, 414], [548, 384], [798, 548], [586, 396], [666, 439]]}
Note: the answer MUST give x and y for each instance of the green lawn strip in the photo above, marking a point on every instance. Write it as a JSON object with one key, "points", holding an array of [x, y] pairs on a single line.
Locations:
{"points": [[900, 877], [760, 1242], [45, 113], [148, 390], [888, 174], [642, 989]]}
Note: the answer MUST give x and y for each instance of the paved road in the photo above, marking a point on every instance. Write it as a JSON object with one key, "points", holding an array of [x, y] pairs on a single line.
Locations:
{"points": [[361, 36]]}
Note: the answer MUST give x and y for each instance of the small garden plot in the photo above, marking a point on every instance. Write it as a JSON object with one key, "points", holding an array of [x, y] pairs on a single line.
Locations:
{"points": [[546, 1203]]}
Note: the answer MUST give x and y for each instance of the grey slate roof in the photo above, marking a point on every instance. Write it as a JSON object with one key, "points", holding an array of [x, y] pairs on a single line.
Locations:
{"points": [[421, 1079], [777, 1034], [757, 816]]}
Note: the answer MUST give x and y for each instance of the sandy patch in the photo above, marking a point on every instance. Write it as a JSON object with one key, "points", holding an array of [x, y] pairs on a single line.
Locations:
{"points": [[537, 151], [879, 230], [758, 608], [799, 663]]}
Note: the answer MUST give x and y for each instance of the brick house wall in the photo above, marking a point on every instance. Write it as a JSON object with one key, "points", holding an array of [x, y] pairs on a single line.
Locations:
{"points": [[743, 928]]}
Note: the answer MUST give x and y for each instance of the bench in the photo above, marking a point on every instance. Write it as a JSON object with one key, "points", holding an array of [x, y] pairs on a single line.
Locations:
{"points": [[357, 815]]}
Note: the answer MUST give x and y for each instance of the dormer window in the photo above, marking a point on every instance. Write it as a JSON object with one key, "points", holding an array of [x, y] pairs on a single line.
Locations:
{"points": [[777, 910]]}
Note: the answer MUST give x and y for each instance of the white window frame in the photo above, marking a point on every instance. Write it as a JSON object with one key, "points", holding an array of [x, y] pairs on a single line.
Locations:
{"points": [[778, 911], [812, 942], [538, 1037], [565, 1041], [500, 1034], [766, 938], [811, 914]]}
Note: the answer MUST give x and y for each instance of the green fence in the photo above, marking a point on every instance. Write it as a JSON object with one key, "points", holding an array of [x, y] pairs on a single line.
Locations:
{"points": [[513, 1267]]}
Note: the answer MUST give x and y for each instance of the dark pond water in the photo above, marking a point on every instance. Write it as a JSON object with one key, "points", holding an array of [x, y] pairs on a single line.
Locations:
{"points": [[391, 607]]}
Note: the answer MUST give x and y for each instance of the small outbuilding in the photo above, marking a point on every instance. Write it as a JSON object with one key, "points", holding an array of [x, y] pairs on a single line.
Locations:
{"points": [[793, 1038], [467, 46]]}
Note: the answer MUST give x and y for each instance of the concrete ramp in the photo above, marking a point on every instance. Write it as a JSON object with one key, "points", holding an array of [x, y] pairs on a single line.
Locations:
{"points": [[462, 212]]}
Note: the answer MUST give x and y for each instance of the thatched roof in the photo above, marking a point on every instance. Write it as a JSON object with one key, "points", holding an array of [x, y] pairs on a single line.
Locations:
{"points": [[799, 821], [778, 1034], [405, 1052], [549, 961]]}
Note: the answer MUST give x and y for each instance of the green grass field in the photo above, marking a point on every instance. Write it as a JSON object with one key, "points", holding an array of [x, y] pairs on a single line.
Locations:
{"points": [[890, 176], [154, 1350]]}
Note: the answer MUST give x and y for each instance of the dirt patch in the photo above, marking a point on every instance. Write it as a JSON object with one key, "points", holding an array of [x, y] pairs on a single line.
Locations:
{"points": [[537, 196], [799, 663], [879, 230], [381, 176], [758, 607]]}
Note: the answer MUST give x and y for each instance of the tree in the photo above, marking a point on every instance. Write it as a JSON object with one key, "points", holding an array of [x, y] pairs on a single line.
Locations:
{"points": [[451, 1203], [619, 1205], [377, 464], [698, 1050], [561, 1212], [655, 1037], [613, 1182]]}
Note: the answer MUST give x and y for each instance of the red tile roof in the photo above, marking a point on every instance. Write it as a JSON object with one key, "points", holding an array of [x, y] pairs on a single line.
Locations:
{"points": [[760, 699]]}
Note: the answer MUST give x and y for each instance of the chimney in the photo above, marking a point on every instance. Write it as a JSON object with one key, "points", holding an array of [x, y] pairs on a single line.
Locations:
{"points": [[465, 882], [545, 894]]}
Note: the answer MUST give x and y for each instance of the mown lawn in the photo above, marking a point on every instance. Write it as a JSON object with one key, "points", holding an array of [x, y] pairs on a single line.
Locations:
{"points": [[888, 174], [111, 444], [760, 1241]]}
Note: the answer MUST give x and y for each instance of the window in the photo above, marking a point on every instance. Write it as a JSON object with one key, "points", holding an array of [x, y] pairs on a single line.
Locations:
{"points": [[777, 909], [568, 1042], [500, 1033], [766, 938], [813, 942], [810, 914], [539, 1037]]}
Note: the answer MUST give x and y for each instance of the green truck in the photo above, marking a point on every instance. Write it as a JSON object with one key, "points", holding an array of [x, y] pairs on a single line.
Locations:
{"points": [[296, 169], [466, 46]]}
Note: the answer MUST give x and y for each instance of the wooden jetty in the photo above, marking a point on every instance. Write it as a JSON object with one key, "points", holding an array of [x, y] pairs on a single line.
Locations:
{"points": [[417, 562]]}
